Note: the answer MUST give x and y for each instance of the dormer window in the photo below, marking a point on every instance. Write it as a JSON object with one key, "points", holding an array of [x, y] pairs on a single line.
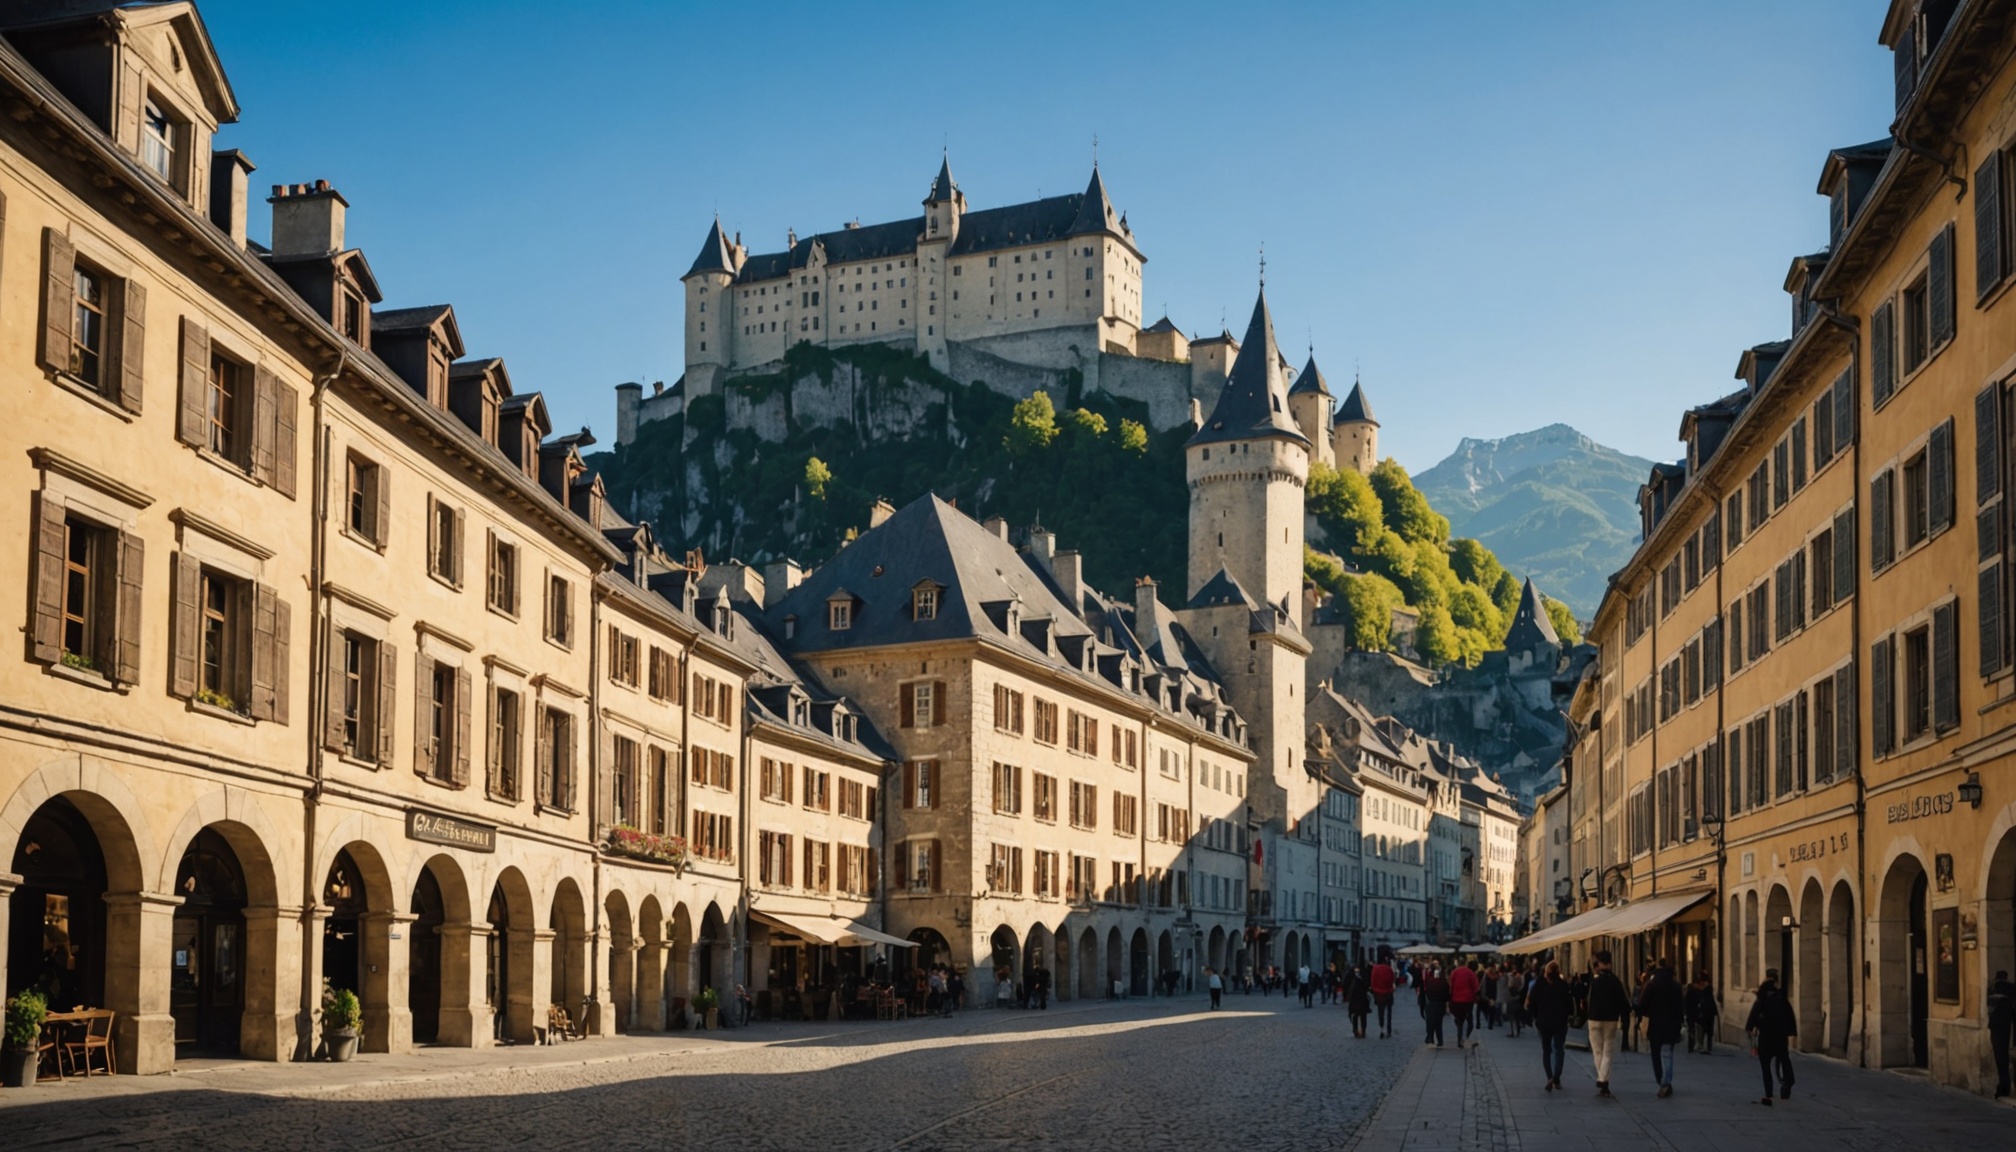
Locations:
{"points": [[924, 602], [840, 615], [157, 140]]}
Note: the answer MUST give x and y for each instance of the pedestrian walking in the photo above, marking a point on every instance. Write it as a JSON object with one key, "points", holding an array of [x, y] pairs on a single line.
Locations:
{"points": [[1381, 986], [1216, 984], [1771, 1027], [1305, 986], [1512, 1000], [2001, 1020], [1434, 1002], [1662, 1004], [1607, 1006], [1701, 1013], [1549, 1002], [1487, 996], [934, 1000], [1042, 987], [1357, 995], [1463, 992]]}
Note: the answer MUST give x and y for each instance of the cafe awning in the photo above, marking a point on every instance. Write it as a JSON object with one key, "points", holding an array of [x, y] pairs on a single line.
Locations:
{"points": [[1619, 920], [827, 929], [1572, 929]]}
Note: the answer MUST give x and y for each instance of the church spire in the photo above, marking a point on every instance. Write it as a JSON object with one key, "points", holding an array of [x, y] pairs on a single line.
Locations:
{"points": [[1254, 402], [1095, 211], [943, 187], [715, 254]]}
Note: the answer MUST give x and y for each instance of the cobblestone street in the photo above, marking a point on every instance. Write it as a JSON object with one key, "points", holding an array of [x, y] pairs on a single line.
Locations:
{"points": [[1262, 1074]]}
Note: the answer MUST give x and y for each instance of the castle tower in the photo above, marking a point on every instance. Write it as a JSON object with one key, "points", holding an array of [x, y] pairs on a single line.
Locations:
{"points": [[710, 311], [1310, 402], [1355, 434], [944, 207]]}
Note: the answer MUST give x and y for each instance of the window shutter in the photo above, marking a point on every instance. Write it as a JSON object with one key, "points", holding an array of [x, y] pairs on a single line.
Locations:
{"points": [[1939, 290], [1882, 537], [332, 707], [1939, 462], [1990, 264], [931, 766], [1847, 736], [433, 537], [903, 867], [1844, 555], [1882, 699], [937, 867], [126, 614], [908, 706], [1992, 612], [1904, 59], [454, 547], [542, 779], [937, 703], [872, 879], [286, 408], [59, 298], [909, 784], [263, 637], [264, 420], [423, 714], [1946, 666], [381, 484], [1987, 443], [463, 690], [567, 765], [388, 708], [132, 353], [1844, 410], [186, 626], [46, 637], [283, 628], [1882, 353]]}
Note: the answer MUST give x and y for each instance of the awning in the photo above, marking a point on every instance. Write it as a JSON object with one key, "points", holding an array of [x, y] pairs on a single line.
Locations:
{"points": [[1423, 950], [1643, 915], [1478, 949], [1574, 928], [827, 929]]}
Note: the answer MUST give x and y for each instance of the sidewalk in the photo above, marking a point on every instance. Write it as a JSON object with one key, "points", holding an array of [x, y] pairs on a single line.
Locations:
{"points": [[1491, 1097]]}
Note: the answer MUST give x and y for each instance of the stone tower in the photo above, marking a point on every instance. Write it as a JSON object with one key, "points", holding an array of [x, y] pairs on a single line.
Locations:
{"points": [[1247, 468], [944, 206], [1355, 434], [710, 310], [1310, 402]]}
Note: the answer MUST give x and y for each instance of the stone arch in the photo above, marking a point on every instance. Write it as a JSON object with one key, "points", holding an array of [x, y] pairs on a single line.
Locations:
{"points": [[622, 959], [1088, 964], [1779, 939], [1841, 967], [1998, 904], [440, 986], [1062, 981], [116, 815], [1139, 978], [1901, 958], [358, 949], [568, 921], [1809, 988], [1003, 966], [711, 950], [652, 969], [1116, 960], [1215, 949], [511, 964], [268, 1018], [1732, 948], [679, 976], [1165, 956], [1036, 953]]}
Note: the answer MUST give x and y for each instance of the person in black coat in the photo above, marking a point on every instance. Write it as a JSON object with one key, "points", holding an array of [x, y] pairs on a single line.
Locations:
{"points": [[1357, 993], [1662, 1005], [2001, 1021], [1548, 1004], [1701, 1013], [1771, 1027]]}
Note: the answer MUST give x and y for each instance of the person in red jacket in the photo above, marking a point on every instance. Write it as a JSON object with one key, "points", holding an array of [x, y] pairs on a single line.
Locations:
{"points": [[1463, 989], [1382, 996]]}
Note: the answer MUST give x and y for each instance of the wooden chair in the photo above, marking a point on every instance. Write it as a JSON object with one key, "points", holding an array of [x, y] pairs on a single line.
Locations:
{"points": [[48, 1049], [92, 1033], [559, 1026]]}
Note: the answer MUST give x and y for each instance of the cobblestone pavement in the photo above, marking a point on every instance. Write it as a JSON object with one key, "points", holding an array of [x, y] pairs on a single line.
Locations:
{"points": [[1261, 1074], [1490, 1098]]}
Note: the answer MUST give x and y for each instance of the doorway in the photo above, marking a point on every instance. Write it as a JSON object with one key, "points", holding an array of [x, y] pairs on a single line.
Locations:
{"points": [[423, 958], [206, 986], [1920, 978], [497, 964], [56, 918]]}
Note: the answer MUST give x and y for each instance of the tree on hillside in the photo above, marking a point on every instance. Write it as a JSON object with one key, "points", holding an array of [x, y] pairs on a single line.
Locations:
{"points": [[1563, 620], [817, 476], [1032, 425], [1407, 511]]}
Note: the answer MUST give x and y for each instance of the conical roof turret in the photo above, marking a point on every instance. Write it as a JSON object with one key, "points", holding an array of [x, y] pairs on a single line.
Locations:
{"points": [[1310, 380], [1254, 403], [1095, 211], [715, 255], [943, 187], [1355, 409], [1531, 626]]}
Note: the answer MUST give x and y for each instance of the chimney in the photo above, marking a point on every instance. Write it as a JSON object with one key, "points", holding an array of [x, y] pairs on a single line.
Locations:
{"points": [[743, 584], [779, 578], [996, 525], [230, 191], [307, 219], [1042, 544], [1069, 569], [1144, 606], [880, 512]]}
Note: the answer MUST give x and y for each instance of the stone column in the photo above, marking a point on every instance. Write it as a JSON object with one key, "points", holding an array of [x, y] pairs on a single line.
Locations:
{"points": [[307, 1036], [388, 1016], [651, 986], [601, 1015], [139, 937], [9, 881], [465, 1016], [266, 1030]]}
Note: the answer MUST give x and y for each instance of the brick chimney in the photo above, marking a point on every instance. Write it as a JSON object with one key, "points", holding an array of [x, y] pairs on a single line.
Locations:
{"points": [[779, 578], [997, 526], [1068, 567], [307, 219], [230, 192], [1042, 544], [1144, 605]]}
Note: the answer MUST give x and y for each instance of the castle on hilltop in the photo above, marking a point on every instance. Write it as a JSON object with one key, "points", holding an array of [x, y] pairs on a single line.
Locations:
{"points": [[1043, 294]]}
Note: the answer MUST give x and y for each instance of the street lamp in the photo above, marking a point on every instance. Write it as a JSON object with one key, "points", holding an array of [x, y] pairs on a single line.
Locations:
{"points": [[1970, 790]]}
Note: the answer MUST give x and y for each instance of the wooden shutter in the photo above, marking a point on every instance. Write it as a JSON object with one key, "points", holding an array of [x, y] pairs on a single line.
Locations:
{"points": [[1882, 536], [937, 867], [283, 630], [1847, 736], [568, 775], [286, 406], [903, 866], [388, 707], [931, 766], [263, 423], [1904, 60], [907, 706], [46, 636], [59, 298], [937, 703], [333, 736], [1844, 410], [189, 415], [493, 774], [130, 358], [464, 689], [454, 547], [1939, 288], [1844, 555], [1882, 699], [1939, 465], [1987, 443], [433, 536], [263, 643], [1993, 617], [872, 878], [542, 779], [423, 714], [126, 613], [1882, 353], [185, 626], [909, 784], [1990, 262], [381, 493], [1946, 666]]}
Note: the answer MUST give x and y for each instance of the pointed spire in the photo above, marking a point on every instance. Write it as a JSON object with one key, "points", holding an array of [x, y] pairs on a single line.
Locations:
{"points": [[1310, 379], [943, 188], [1355, 409], [1095, 211], [1254, 403], [1531, 626], [714, 254]]}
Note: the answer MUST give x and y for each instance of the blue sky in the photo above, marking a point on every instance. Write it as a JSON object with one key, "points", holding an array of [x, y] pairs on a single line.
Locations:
{"points": [[1504, 215]]}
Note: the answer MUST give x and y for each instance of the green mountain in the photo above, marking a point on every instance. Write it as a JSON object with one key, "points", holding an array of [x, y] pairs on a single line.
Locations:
{"points": [[1551, 503]]}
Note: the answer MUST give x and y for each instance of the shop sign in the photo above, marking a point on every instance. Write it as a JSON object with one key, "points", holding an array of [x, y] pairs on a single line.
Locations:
{"points": [[1815, 849], [1919, 807], [432, 828]]}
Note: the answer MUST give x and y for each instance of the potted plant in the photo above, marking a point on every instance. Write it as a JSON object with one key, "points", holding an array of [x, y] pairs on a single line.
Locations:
{"points": [[708, 1002], [20, 1062], [341, 1017]]}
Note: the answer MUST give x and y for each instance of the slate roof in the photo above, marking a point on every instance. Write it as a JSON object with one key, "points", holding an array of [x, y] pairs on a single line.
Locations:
{"points": [[1355, 409], [1310, 379], [1222, 590], [1254, 402], [1162, 325], [714, 255], [1531, 626], [943, 187]]}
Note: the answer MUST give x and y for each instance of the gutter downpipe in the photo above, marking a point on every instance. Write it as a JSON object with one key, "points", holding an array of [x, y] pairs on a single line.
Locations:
{"points": [[318, 691]]}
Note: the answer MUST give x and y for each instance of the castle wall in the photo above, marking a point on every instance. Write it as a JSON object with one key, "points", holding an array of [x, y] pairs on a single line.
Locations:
{"points": [[1163, 385]]}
